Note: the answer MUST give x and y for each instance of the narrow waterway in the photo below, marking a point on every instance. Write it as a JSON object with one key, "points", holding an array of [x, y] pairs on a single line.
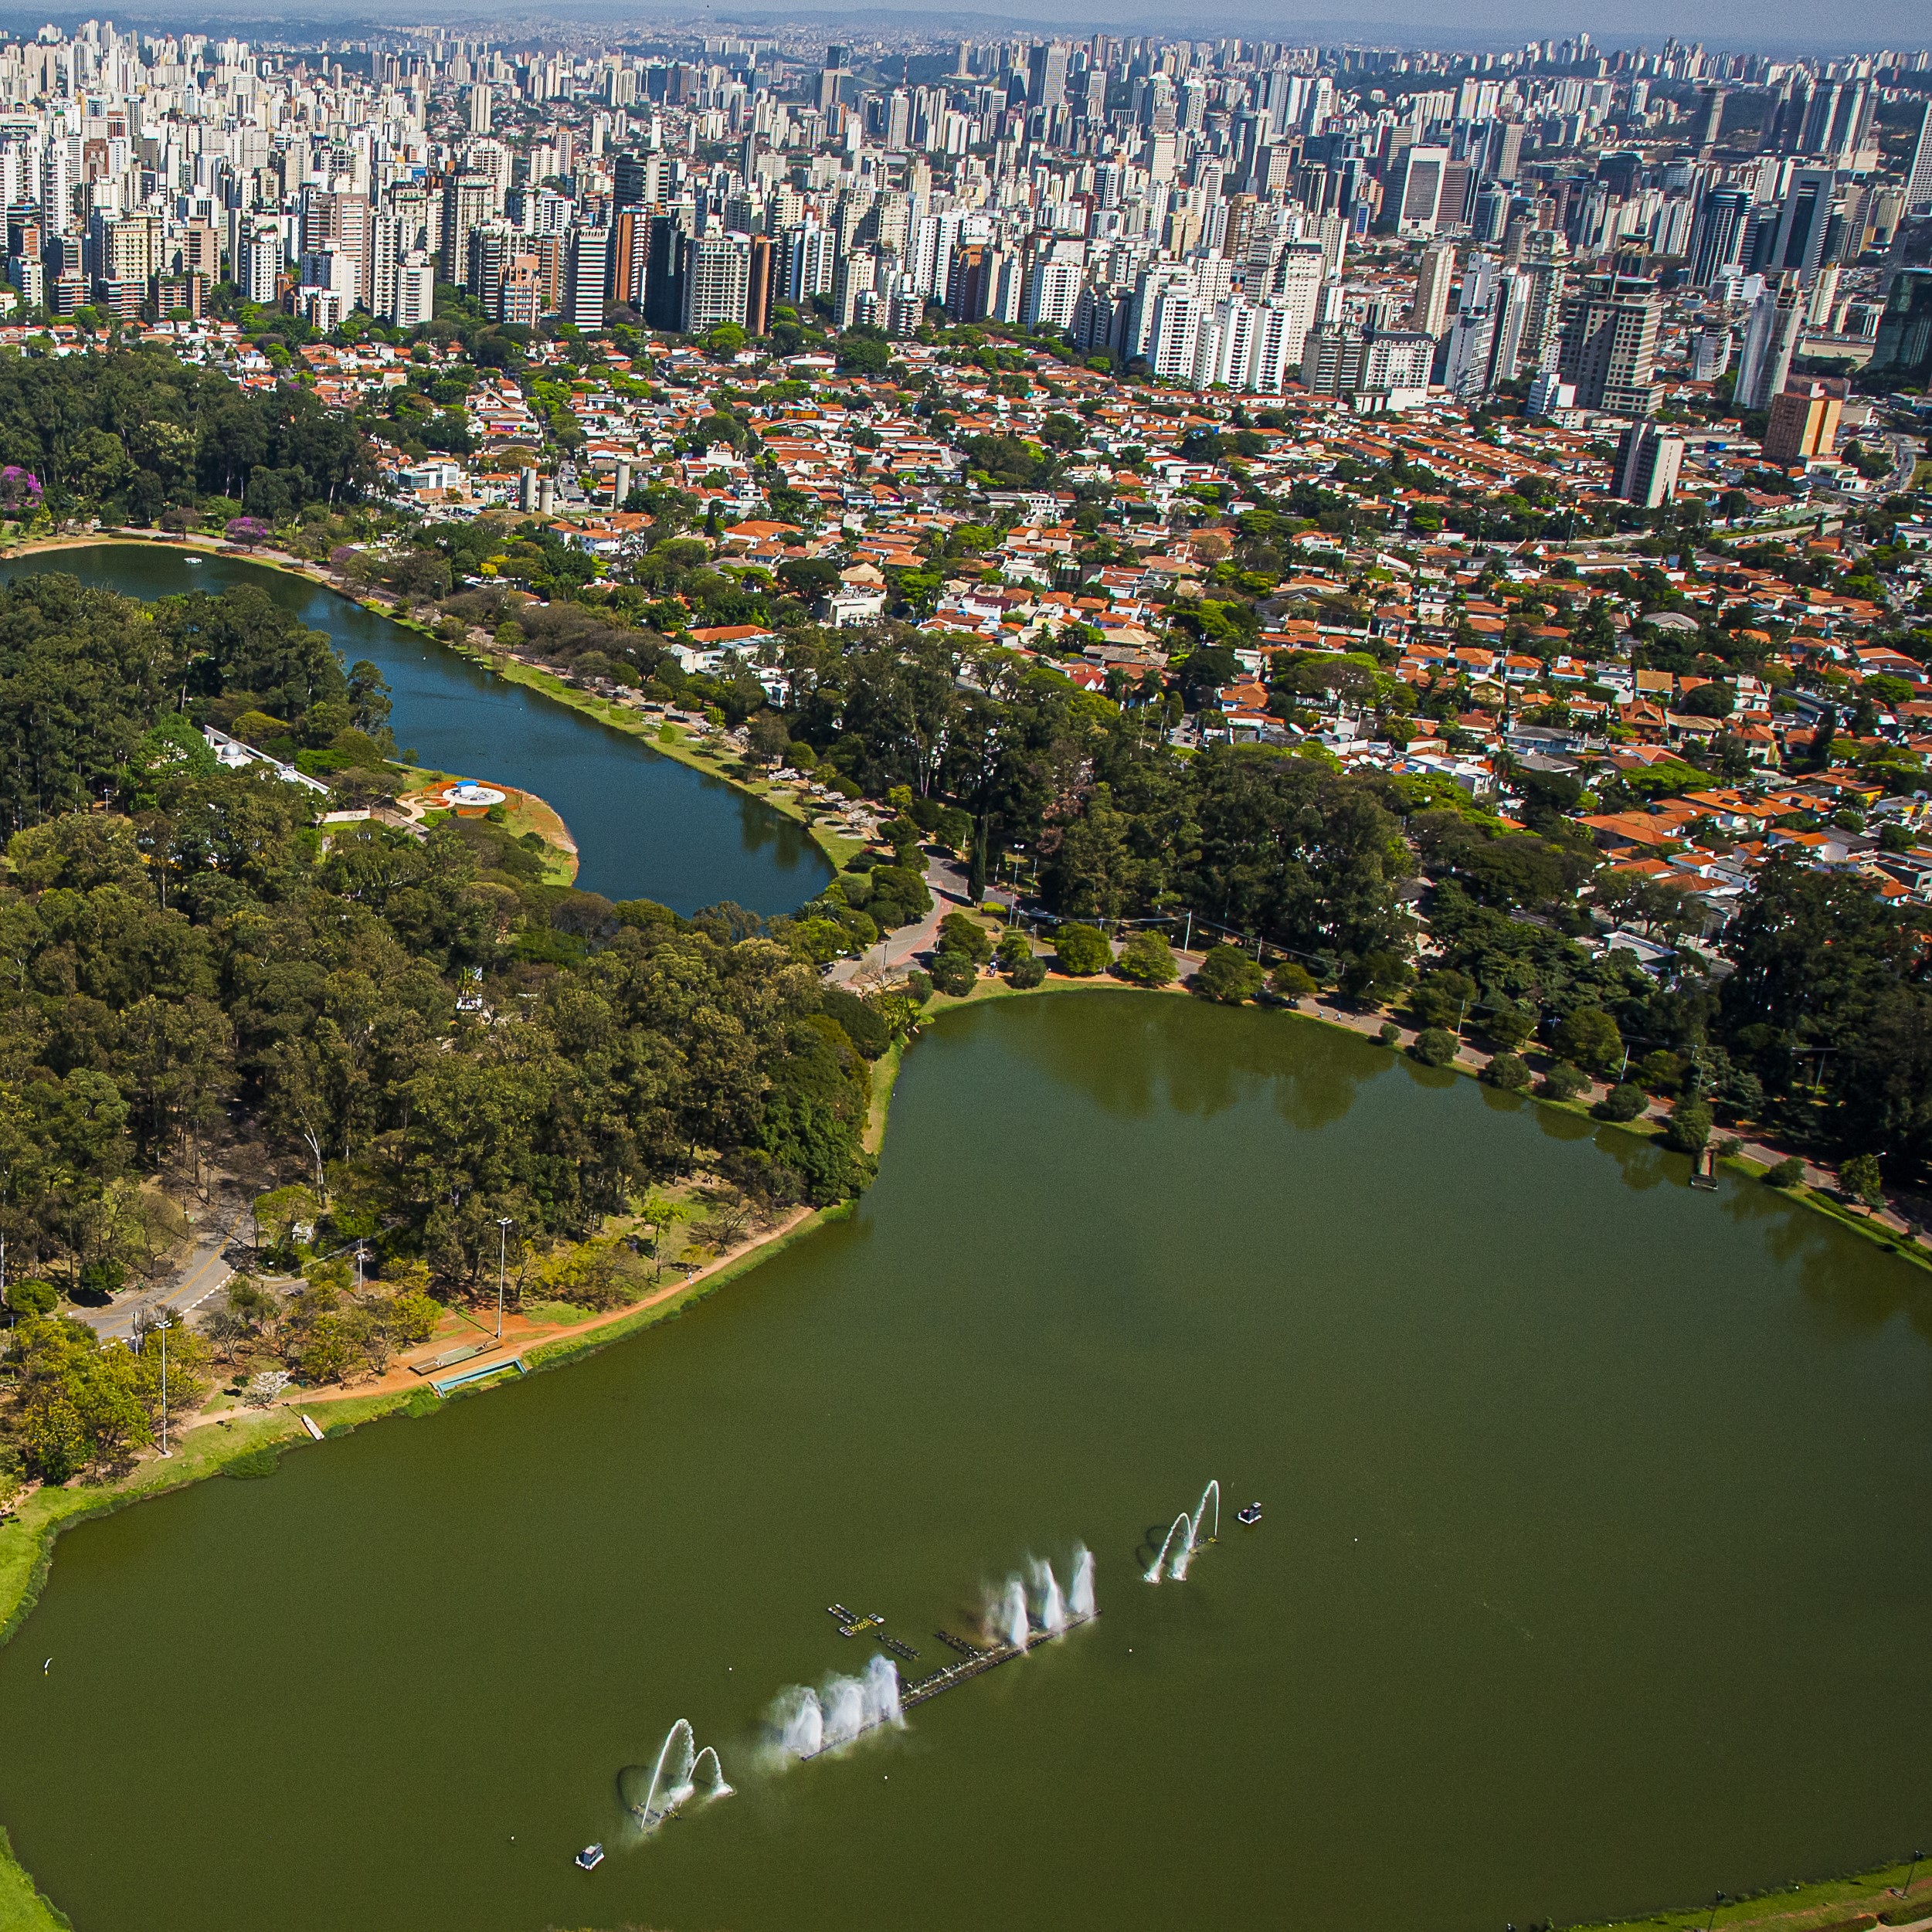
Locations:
{"points": [[645, 826], [1595, 1572]]}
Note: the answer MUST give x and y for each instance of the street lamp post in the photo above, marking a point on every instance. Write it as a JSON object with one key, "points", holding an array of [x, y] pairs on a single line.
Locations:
{"points": [[163, 1324], [502, 1237]]}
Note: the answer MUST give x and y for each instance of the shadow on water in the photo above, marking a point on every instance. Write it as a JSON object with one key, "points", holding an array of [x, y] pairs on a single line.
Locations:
{"points": [[1845, 1302], [1644, 1164], [1198, 1060]]}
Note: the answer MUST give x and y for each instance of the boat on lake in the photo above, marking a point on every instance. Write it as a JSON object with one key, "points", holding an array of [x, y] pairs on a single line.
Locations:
{"points": [[591, 1857], [1251, 1516]]}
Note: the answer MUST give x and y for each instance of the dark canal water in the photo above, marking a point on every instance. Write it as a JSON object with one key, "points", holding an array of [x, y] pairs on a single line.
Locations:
{"points": [[1596, 1570], [645, 826]]}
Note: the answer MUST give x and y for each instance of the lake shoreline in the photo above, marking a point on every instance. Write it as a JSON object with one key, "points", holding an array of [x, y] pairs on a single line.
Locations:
{"points": [[1776, 1909], [1646, 1127], [22, 1572], [835, 848], [215, 1449]]}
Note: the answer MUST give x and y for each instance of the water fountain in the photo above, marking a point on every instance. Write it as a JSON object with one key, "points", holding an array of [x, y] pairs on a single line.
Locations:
{"points": [[1051, 1615], [805, 1722], [1156, 1568], [1010, 1623], [1201, 1507], [673, 1779], [1192, 1541], [798, 1722], [1080, 1597]]}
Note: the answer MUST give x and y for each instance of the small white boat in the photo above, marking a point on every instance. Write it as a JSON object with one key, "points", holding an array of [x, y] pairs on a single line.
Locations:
{"points": [[591, 1857], [1251, 1516]]}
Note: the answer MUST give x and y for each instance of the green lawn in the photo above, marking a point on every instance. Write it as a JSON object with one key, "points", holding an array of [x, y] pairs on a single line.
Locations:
{"points": [[22, 1908]]}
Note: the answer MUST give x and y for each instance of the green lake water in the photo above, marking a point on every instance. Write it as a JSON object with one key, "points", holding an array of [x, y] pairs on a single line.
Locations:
{"points": [[1594, 1573], [645, 826]]}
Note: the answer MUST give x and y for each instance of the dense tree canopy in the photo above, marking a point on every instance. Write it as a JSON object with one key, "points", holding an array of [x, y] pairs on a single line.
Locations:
{"points": [[129, 433]]}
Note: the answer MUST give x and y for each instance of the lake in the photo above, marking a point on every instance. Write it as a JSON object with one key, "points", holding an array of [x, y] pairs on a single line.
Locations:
{"points": [[646, 826], [1595, 1572]]}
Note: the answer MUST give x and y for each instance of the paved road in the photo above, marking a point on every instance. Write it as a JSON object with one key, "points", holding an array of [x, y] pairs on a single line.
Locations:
{"points": [[1906, 452], [203, 1274], [947, 883]]}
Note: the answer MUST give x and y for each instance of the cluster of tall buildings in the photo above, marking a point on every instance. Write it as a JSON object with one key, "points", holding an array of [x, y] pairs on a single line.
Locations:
{"points": [[1234, 213]]}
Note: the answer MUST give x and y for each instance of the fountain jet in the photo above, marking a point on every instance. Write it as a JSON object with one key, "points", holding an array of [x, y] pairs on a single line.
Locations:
{"points": [[1182, 1522], [1184, 1555], [673, 1779], [1009, 1620], [1080, 1599], [807, 1722], [1052, 1614]]}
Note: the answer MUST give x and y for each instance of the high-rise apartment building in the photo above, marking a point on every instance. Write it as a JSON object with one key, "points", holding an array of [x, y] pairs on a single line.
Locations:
{"points": [[589, 278], [717, 280], [1803, 422], [1647, 462], [1429, 312], [1608, 346]]}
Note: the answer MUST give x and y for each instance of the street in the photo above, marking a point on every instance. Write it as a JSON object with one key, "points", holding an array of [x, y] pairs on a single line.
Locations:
{"points": [[203, 1273]]}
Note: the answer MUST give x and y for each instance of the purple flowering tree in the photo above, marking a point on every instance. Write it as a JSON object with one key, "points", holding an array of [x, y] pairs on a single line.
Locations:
{"points": [[20, 493]]}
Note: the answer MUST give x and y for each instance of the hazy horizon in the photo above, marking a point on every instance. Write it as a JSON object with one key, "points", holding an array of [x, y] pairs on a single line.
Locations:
{"points": [[1778, 27]]}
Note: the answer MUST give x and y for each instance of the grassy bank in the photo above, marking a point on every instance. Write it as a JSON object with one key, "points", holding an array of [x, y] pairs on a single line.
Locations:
{"points": [[1861, 1899], [667, 740], [22, 1908]]}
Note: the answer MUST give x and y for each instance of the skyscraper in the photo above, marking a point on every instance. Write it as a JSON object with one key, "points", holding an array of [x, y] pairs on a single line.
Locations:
{"points": [[1903, 351], [1918, 182], [1430, 310], [1717, 241], [1608, 345], [1647, 462], [1771, 340], [664, 281], [1803, 221], [717, 280], [1047, 74], [589, 270]]}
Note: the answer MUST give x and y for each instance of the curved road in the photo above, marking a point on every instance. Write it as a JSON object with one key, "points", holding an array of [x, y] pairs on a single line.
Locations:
{"points": [[204, 1272]]}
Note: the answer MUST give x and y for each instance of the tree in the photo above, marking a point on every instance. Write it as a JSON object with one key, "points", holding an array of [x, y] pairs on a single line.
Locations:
{"points": [[1862, 1180], [1508, 1022], [1434, 1046], [1588, 1036], [1509, 1072], [1622, 1103], [1788, 1173], [863, 355], [1442, 998], [960, 933], [1148, 960], [1014, 947], [767, 737], [1292, 983], [1563, 1082], [953, 973], [1690, 1127], [1227, 975], [1082, 950]]}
